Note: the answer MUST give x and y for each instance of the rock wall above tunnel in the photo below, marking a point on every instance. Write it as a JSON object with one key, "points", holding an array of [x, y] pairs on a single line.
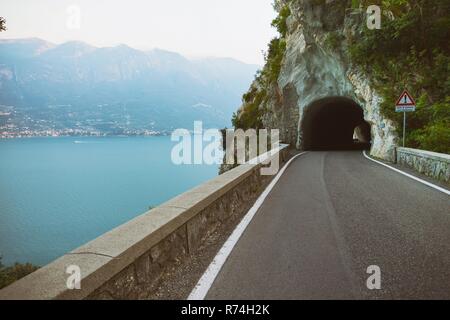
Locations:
{"points": [[316, 65]]}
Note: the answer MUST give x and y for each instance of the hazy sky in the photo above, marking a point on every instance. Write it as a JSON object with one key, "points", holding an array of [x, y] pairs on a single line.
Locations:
{"points": [[222, 28]]}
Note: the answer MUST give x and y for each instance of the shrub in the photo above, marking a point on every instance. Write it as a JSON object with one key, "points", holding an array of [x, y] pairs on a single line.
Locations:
{"points": [[251, 112], [11, 274], [2, 24], [280, 21]]}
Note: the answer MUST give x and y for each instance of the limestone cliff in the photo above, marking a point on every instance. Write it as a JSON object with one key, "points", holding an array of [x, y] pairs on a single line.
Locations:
{"points": [[315, 65]]}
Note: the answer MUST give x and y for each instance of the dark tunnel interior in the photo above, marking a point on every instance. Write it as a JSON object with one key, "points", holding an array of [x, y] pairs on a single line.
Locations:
{"points": [[335, 123]]}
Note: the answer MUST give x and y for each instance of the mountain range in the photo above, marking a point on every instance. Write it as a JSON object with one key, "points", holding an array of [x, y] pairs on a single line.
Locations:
{"points": [[78, 88]]}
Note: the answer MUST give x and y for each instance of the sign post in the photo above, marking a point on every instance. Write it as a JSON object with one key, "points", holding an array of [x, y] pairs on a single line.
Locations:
{"points": [[404, 129], [405, 104]]}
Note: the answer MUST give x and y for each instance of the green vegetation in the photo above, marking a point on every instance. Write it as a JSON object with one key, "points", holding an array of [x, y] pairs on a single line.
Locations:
{"points": [[2, 24], [280, 22], [334, 40], [250, 114], [249, 117], [10, 274], [277, 48], [411, 51]]}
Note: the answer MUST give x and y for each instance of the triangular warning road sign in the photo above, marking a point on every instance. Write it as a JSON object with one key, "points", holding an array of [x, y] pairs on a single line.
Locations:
{"points": [[405, 100]]}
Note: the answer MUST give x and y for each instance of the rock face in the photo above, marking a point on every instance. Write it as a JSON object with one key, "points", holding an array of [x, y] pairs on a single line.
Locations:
{"points": [[316, 65]]}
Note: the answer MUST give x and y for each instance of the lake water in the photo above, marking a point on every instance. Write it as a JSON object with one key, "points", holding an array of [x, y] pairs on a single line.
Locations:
{"points": [[59, 193]]}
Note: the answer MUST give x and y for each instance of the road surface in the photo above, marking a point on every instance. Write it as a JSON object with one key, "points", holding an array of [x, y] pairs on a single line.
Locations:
{"points": [[330, 217]]}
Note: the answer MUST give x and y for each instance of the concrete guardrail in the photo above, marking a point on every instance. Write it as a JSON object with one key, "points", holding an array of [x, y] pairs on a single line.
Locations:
{"points": [[432, 164]]}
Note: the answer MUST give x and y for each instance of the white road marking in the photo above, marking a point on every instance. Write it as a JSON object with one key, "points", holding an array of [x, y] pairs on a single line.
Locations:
{"points": [[409, 175], [204, 284]]}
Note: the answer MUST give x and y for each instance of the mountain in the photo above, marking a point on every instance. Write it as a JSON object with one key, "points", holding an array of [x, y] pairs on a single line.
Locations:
{"points": [[76, 87]]}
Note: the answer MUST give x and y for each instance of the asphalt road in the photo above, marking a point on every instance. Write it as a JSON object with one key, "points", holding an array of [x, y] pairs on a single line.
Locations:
{"points": [[330, 217]]}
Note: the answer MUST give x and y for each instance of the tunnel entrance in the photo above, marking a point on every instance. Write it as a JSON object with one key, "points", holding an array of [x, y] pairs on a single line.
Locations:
{"points": [[335, 123]]}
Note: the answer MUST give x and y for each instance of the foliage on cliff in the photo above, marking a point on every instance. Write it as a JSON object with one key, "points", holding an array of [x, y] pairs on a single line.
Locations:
{"points": [[2, 24], [10, 274], [249, 116], [411, 51]]}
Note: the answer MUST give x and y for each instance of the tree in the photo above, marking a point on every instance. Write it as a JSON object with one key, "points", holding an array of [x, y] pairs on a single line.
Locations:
{"points": [[394, 60], [2, 24], [10, 274]]}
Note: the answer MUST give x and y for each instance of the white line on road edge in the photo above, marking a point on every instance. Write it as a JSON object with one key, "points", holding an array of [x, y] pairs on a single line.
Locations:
{"points": [[204, 284], [409, 175]]}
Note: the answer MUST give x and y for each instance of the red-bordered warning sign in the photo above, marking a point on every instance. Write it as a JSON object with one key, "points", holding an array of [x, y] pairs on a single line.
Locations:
{"points": [[405, 103]]}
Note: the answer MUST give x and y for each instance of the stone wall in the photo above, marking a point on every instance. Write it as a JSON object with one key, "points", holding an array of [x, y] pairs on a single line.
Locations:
{"points": [[432, 164], [129, 261]]}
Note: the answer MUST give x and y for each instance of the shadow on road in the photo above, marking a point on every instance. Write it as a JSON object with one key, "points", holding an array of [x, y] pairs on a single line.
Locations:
{"points": [[359, 146]]}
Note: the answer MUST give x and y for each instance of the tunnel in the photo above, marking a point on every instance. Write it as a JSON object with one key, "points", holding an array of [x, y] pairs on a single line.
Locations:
{"points": [[335, 123]]}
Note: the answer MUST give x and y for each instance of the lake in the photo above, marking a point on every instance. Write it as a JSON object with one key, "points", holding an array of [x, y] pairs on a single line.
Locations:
{"points": [[59, 193]]}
